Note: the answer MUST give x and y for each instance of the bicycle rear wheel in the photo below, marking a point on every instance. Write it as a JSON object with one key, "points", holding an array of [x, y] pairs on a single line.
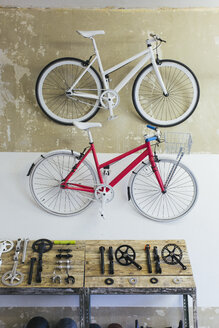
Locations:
{"points": [[53, 82], [46, 177], [183, 94], [147, 197]]}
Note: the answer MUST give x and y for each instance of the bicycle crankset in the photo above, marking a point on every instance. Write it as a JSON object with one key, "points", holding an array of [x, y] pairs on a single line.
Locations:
{"points": [[5, 246], [109, 97], [125, 255], [41, 246], [172, 254]]}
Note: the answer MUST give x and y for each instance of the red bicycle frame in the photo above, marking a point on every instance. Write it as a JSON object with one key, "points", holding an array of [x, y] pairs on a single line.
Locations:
{"points": [[147, 152]]}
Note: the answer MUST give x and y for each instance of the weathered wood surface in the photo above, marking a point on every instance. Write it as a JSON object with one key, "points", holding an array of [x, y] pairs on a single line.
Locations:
{"points": [[122, 274], [49, 266], [86, 267]]}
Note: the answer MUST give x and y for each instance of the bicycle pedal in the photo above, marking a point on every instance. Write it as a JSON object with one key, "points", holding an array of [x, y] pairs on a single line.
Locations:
{"points": [[112, 117]]}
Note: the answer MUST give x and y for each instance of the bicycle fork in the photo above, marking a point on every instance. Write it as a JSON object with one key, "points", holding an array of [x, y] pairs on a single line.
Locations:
{"points": [[157, 72], [174, 167]]}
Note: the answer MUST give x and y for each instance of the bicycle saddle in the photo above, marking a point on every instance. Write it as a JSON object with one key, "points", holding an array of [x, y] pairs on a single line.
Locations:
{"points": [[85, 125], [89, 34]]}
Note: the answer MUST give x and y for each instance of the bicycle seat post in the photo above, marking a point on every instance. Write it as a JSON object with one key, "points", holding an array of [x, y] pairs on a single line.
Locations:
{"points": [[89, 136]]}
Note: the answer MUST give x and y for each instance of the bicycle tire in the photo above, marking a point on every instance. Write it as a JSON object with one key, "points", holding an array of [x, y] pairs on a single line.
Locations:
{"points": [[45, 179], [146, 195], [183, 94], [53, 82]]}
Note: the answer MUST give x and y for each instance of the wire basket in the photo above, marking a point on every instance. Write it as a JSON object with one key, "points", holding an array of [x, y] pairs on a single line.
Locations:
{"points": [[176, 140]]}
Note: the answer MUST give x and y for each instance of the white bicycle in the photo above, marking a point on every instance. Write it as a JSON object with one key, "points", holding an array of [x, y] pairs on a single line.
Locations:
{"points": [[165, 93]]}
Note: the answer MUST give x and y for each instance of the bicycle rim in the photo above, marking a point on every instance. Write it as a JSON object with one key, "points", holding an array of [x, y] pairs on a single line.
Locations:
{"points": [[52, 84], [45, 180], [147, 197], [183, 94]]}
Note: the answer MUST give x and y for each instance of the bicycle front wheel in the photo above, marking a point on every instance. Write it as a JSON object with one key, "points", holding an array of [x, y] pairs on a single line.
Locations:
{"points": [[148, 198], [56, 79], [180, 102], [46, 177]]}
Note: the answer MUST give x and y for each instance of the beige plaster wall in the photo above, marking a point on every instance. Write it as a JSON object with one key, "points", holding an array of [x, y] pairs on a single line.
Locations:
{"points": [[30, 38]]}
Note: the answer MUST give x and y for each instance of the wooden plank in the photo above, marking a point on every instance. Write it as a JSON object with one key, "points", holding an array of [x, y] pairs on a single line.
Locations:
{"points": [[49, 266], [142, 282], [92, 264]]}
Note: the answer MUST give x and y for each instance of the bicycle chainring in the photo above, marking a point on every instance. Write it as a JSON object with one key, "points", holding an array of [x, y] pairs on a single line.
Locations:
{"points": [[46, 243], [6, 245], [109, 97], [170, 253], [124, 253], [105, 191]]}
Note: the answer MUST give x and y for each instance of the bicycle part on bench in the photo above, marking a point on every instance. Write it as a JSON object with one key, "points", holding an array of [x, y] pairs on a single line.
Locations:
{"points": [[69, 278], [26, 241], [64, 262], [111, 263], [133, 281], [125, 255], [64, 256], [14, 277], [109, 281], [157, 260], [67, 266], [64, 250], [41, 246], [102, 250], [30, 276], [172, 254], [104, 194], [148, 258], [5, 246], [56, 278]]}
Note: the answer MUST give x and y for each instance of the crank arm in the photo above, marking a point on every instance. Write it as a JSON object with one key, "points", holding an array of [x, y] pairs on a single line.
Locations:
{"points": [[32, 261], [102, 249], [147, 250], [39, 270], [139, 267], [25, 249], [111, 266], [179, 262]]}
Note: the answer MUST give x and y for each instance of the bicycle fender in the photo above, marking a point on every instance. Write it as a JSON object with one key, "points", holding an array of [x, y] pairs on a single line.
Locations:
{"points": [[49, 154]]}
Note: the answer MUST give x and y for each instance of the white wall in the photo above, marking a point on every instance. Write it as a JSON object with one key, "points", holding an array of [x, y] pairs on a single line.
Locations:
{"points": [[21, 217]]}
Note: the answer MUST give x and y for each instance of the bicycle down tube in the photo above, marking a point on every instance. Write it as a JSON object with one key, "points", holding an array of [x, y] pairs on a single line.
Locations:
{"points": [[122, 174]]}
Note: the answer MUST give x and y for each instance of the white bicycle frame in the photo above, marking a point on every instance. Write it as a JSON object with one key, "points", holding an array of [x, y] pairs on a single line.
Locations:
{"points": [[148, 55]]}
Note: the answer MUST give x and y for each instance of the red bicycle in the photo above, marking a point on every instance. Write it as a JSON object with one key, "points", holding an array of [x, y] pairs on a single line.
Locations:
{"points": [[64, 183]]}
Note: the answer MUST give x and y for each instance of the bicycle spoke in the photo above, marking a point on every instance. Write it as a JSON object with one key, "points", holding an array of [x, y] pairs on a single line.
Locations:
{"points": [[151, 202], [46, 180], [182, 98], [56, 79]]}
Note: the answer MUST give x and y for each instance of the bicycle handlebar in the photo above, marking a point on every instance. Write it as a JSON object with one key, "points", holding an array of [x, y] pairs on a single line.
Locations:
{"points": [[156, 37], [151, 127], [156, 136]]}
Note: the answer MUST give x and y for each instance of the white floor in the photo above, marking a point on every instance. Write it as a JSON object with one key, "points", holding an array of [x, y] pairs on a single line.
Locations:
{"points": [[21, 217]]}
